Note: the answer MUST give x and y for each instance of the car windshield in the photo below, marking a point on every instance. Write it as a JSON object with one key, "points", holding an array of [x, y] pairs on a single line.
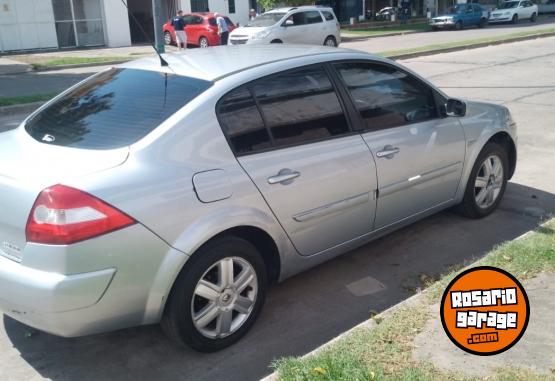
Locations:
{"points": [[508, 5], [113, 109], [458, 8], [266, 19]]}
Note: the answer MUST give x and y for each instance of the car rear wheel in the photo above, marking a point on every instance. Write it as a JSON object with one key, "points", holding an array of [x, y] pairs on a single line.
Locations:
{"points": [[459, 25], [330, 41], [483, 22], [167, 38], [487, 182], [514, 19], [203, 42], [276, 42], [217, 296], [534, 17]]}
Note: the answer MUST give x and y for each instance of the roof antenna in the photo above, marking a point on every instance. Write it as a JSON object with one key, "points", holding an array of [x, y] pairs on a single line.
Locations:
{"points": [[163, 62]]}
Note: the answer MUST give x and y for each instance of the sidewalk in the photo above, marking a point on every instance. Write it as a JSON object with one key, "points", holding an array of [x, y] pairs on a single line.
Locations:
{"points": [[408, 342]]}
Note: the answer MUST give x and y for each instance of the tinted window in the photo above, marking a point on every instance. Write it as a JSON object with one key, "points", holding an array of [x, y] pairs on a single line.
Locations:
{"points": [[328, 15], [231, 4], [300, 106], [188, 19], [114, 108], [298, 18], [387, 97], [241, 122], [313, 17], [212, 21], [196, 20]]}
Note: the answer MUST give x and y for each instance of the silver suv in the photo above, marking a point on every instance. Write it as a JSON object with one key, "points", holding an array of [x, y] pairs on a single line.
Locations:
{"points": [[178, 193], [298, 25]]}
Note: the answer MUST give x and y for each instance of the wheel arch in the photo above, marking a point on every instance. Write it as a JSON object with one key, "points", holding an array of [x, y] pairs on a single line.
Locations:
{"points": [[504, 139]]}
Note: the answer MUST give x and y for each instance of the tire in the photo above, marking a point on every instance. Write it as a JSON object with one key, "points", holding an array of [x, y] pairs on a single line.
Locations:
{"points": [[514, 20], [185, 300], [483, 192], [483, 22], [459, 25], [276, 42], [330, 41], [167, 38], [534, 17], [203, 42], [434, 28]]}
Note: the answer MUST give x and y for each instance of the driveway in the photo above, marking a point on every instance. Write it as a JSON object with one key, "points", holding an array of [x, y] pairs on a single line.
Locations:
{"points": [[313, 307]]}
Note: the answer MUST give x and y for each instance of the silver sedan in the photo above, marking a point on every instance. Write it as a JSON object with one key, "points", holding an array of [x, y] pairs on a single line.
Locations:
{"points": [[178, 193]]}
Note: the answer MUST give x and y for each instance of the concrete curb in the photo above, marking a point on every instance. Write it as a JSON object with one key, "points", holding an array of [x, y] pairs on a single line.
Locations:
{"points": [[351, 37], [91, 64], [26, 108], [470, 46], [370, 323]]}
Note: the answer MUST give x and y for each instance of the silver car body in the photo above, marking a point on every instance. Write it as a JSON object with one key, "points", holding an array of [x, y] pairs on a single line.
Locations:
{"points": [[184, 186], [315, 33]]}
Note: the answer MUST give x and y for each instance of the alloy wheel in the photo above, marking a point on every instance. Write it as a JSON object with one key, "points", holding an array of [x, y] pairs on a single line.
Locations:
{"points": [[167, 38], [489, 182], [203, 42], [224, 297]]}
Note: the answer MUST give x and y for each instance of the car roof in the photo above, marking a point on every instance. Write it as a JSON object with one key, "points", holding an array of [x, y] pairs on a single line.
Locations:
{"points": [[221, 61], [304, 7]]}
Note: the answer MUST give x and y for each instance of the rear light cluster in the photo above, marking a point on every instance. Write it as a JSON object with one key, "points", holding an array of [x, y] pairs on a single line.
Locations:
{"points": [[62, 215]]}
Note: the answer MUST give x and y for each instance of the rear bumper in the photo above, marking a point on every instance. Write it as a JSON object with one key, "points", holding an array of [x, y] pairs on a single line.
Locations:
{"points": [[115, 281], [22, 288]]}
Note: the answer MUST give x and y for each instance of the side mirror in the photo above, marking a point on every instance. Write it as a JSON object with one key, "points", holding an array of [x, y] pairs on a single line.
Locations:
{"points": [[455, 107], [288, 23]]}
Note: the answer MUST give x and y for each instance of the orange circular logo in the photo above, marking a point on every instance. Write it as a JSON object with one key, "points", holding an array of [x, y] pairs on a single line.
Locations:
{"points": [[485, 310]]}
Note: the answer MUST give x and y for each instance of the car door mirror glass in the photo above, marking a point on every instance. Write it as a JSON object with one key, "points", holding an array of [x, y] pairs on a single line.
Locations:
{"points": [[288, 23], [455, 107]]}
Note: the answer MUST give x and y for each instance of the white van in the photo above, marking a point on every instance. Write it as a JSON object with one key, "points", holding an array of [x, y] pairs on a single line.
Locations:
{"points": [[297, 25]]}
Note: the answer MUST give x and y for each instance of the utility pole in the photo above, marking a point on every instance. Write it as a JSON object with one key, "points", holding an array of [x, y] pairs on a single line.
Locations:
{"points": [[159, 20]]}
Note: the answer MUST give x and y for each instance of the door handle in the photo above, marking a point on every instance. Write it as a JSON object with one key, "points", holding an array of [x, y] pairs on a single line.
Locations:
{"points": [[284, 176], [387, 152]]}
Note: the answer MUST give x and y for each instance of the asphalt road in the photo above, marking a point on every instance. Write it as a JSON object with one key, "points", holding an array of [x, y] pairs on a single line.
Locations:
{"points": [[311, 308]]}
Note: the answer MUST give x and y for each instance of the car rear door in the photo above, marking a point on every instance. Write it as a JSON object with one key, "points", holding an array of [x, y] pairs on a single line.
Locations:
{"points": [[419, 155], [290, 134]]}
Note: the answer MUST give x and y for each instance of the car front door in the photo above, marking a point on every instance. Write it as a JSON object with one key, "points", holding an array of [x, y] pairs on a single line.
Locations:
{"points": [[295, 28], [419, 155], [291, 136]]}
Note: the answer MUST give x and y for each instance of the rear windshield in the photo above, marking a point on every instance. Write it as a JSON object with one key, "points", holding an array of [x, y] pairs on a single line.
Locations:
{"points": [[114, 108]]}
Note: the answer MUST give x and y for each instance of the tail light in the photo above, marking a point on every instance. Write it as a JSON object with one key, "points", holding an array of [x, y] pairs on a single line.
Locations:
{"points": [[62, 215]]}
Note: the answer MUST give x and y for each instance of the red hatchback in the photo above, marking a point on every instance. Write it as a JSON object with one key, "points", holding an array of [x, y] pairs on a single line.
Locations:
{"points": [[201, 29]]}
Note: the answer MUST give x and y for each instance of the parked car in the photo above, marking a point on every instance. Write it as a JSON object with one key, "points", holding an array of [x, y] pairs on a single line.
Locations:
{"points": [[201, 29], [178, 193], [297, 25], [386, 13], [512, 11], [460, 16]]}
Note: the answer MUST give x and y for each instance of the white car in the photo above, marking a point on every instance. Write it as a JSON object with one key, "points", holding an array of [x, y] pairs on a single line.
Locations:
{"points": [[297, 25], [512, 11]]}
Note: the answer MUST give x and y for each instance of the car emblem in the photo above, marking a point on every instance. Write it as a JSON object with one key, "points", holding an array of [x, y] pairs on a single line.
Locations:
{"points": [[48, 138]]}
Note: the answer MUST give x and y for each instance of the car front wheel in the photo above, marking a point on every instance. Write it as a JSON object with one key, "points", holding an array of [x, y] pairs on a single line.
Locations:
{"points": [[487, 182], [514, 19], [534, 17], [330, 41], [217, 296], [459, 25]]}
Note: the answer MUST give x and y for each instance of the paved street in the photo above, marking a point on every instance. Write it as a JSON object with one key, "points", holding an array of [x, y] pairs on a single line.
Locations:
{"points": [[55, 81], [313, 307]]}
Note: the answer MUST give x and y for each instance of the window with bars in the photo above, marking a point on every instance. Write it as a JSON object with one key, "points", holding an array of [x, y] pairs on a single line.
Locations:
{"points": [[231, 4], [199, 6], [78, 23]]}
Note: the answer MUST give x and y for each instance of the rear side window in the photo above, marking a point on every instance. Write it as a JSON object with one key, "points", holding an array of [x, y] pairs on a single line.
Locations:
{"points": [[328, 16], [289, 108], [242, 123], [212, 21], [114, 108], [387, 97], [313, 17], [300, 106]]}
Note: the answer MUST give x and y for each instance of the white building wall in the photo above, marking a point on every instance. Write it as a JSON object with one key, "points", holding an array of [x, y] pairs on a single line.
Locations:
{"points": [[116, 24], [27, 24]]}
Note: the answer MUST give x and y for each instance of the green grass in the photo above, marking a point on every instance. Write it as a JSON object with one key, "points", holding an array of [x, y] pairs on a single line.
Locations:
{"points": [[75, 61], [384, 31], [463, 43], [10, 101], [384, 352]]}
